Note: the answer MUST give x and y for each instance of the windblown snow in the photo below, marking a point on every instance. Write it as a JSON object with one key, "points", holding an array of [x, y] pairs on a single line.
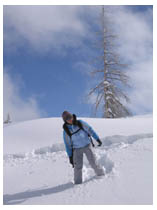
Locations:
{"points": [[37, 169]]}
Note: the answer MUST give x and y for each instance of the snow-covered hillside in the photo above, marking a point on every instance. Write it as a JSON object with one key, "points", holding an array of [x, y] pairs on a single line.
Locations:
{"points": [[37, 169]]}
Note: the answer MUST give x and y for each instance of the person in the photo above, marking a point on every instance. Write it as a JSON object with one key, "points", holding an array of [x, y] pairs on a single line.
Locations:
{"points": [[77, 139]]}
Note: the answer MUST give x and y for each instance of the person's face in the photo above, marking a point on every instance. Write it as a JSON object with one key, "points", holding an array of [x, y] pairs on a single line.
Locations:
{"points": [[70, 121]]}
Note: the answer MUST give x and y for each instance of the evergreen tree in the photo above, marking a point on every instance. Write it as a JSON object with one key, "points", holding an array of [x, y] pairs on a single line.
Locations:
{"points": [[8, 120]]}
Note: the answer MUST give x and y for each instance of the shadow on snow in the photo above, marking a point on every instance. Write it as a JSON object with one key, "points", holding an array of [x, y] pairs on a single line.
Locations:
{"points": [[22, 196]]}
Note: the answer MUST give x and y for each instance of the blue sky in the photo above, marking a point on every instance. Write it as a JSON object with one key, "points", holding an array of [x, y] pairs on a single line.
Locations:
{"points": [[46, 54], [53, 81]]}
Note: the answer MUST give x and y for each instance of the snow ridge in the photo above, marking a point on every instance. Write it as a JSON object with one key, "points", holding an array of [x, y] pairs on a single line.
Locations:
{"points": [[119, 140], [109, 142]]}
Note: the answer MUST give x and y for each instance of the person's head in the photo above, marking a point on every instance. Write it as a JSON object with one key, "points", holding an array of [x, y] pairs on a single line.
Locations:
{"points": [[67, 117]]}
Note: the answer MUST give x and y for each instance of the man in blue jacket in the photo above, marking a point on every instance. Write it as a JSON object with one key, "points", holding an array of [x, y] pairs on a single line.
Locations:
{"points": [[77, 141]]}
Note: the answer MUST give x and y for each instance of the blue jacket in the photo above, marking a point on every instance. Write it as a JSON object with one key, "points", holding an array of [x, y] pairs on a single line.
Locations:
{"points": [[79, 139]]}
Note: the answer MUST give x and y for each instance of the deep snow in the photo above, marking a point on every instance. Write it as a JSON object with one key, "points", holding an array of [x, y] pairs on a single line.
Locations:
{"points": [[37, 170]]}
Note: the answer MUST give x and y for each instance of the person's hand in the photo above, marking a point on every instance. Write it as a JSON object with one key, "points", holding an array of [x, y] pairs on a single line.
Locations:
{"points": [[99, 142], [71, 161]]}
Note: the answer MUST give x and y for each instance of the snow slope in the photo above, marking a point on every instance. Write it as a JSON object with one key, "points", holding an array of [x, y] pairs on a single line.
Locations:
{"points": [[37, 170]]}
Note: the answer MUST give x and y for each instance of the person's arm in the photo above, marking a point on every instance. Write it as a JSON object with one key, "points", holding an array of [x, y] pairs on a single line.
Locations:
{"points": [[68, 147], [67, 144], [90, 130]]}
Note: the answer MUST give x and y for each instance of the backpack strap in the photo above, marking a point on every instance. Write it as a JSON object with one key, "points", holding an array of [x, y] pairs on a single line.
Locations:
{"points": [[65, 127], [81, 127], [79, 124]]}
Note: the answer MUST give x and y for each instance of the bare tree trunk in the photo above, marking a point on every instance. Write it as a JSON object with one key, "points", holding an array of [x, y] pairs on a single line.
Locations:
{"points": [[113, 72]]}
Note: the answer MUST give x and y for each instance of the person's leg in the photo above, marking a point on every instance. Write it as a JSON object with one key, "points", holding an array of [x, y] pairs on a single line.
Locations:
{"points": [[92, 161], [78, 164]]}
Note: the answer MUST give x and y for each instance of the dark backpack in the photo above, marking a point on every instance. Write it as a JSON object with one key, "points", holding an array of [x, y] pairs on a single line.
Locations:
{"points": [[79, 124]]}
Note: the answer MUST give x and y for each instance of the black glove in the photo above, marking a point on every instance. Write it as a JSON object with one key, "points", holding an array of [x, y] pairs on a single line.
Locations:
{"points": [[71, 161], [99, 142]]}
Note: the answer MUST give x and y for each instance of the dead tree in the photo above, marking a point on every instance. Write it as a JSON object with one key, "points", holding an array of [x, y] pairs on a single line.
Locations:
{"points": [[110, 71]]}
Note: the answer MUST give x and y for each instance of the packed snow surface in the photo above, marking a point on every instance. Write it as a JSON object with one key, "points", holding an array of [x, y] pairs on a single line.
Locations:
{"points": [[37, 169]]}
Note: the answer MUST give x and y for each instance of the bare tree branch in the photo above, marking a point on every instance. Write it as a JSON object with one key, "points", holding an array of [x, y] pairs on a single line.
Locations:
{"points": [[108, 65]]}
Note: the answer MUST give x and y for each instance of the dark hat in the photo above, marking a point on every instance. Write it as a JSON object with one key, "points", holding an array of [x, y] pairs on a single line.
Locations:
{"points": [[66, 116]]}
